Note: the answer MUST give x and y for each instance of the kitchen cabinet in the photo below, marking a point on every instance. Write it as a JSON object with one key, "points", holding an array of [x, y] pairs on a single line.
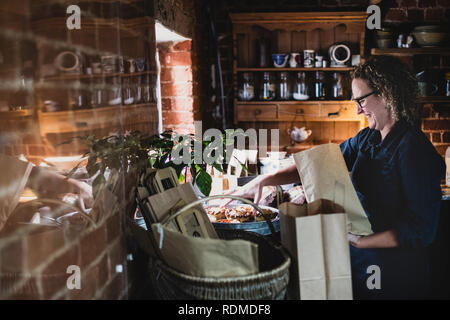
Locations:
{"points": [[330, 120], [122, 40], [428, 59]]}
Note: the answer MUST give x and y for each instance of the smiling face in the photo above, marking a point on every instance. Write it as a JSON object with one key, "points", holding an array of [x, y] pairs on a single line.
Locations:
{"points": [[373, 107]]}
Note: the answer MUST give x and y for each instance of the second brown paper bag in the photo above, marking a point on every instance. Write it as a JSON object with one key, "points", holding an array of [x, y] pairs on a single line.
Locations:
{"points": [[315, 234]]}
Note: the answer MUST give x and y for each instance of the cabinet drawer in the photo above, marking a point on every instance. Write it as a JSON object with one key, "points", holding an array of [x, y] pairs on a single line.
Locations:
{"points": [[266, 112], [299, 112]]}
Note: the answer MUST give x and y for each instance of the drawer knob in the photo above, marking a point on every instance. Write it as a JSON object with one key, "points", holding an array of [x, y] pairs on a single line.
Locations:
{"points": [[258, 112], [299, 111]]}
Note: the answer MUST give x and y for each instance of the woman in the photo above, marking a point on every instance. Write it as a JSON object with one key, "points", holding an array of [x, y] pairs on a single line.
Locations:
{"points": [[396, 173], [19, 174]]}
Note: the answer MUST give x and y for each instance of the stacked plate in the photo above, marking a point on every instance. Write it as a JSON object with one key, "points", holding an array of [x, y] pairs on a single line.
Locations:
{"points": [[430, 36]]}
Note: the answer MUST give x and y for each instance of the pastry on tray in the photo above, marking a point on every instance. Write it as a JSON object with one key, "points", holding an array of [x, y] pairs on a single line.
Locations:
{"points": [[217, 213], [267, 212], [241, 214]]}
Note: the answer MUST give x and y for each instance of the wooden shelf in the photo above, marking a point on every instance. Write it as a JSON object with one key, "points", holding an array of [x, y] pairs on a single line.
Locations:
{"points": [[295, 69], [89, 119], [94, 76], [298, 102], [436, 99], [401, 52], [15, 114]]}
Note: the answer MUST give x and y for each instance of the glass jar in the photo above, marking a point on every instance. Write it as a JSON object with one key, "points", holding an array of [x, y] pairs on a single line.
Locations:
{"points": [[137, 89], [127, 91], [114, 91], [146, 91], [284, 90], [300, 91], [99, 96], [447, 84], [77, 98], [267, 91], [320, 91], [337, 87], [246, 87]]}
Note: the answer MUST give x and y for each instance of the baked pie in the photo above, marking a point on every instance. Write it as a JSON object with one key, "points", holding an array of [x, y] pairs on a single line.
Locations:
{"points": [[267, 212], [241, 214], [217, 213]]}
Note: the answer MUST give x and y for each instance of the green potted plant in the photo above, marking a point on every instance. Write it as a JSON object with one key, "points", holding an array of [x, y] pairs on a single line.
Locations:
{"points": [[140, 151]]}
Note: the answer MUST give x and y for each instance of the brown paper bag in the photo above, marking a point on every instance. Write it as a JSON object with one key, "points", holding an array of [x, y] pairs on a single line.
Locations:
{"points": [[13, 180], [162, 205], [315, 234], [205, 257], [324, 175]]}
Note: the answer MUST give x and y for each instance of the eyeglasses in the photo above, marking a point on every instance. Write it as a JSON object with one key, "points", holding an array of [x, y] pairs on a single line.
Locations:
{"points": [[358, 100]]}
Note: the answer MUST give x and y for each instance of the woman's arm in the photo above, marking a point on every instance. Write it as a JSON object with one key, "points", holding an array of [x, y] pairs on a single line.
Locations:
{"points": [[253, 189], [385, 239], [51, 184]]}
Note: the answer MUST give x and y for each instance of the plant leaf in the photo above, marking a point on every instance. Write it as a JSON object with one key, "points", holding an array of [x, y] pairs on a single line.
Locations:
{"points": [[204, 182], [97, 184]]}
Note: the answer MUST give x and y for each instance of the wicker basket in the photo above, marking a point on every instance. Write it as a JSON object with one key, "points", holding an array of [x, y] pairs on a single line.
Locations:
{"points": [[270, 283]]}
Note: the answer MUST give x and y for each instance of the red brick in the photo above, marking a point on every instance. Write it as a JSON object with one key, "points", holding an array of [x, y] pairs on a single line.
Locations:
{"points": [[113, 227], [426, 3], [40, 251], [408, 4], [116, 287], [178, 104], [177, 118], [177, 59], [436, 124], [29, 291], [8, 150], [415, 15], [117, 256], [183, 46], [176, 74], [88, 286], [175, 89], [436, 136], [446, 137], [12, 257], [433, 14], [36, 150], [428, 135], [329, 3], [93, 245]]}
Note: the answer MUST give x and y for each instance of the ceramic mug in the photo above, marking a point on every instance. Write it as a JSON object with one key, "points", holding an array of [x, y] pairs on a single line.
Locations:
{"points": [[427, 89], [294, 60], [279, 59], [308, 58]]}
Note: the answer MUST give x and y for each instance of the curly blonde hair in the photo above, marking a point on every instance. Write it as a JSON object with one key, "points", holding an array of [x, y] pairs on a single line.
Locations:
{"points": [[393, 81]]}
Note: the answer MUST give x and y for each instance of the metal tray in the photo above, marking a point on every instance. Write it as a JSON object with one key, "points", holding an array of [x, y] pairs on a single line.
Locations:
{"points": [[260, 227]]}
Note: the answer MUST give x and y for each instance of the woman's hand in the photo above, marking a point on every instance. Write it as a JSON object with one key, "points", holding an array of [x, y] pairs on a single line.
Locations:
{"points": [[51, 184], [353, 239], [84, 192], [385, 239], [251, 190]]}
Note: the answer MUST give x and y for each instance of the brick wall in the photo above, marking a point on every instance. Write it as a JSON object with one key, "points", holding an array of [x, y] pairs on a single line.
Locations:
{"points": [[33, 267], [404, 14], [37, 269], [184, 73], [179, 105]]}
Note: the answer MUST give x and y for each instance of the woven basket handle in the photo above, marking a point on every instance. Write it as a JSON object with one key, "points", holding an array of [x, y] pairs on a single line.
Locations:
{"points": [[61, 203], [199, 201]]}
